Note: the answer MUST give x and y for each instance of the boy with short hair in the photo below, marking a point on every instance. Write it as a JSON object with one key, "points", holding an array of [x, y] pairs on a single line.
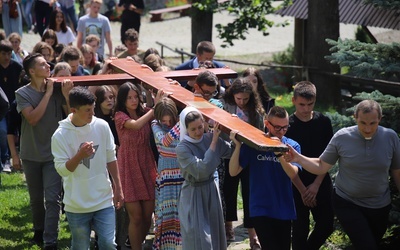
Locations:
{"points": [[313, 131], [72, 56], [84, 155], [96, 24], [205, 51], [132, 43], [271, 197]]}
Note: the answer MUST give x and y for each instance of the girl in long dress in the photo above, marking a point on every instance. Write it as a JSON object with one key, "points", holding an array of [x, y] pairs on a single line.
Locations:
{"points": [[169, 180], [200, 209], [136, 160]]}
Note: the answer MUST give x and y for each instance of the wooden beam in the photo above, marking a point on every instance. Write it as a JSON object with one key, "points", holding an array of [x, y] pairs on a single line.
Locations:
{"points": [[191, 74], [97, 80], [182, 97]]}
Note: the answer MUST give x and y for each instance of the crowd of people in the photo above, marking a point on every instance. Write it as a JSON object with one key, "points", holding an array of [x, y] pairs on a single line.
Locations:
{"points": [[117, 159]]}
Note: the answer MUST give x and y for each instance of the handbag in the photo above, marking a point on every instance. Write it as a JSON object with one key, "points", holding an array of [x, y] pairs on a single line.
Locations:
{"points": [[13, 9]]}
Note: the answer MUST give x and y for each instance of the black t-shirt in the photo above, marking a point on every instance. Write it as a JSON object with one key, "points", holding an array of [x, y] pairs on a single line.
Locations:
{"points": [[313, 137], [9, 79]]}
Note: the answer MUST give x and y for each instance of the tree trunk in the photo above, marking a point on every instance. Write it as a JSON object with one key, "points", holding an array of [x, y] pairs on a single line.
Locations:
{"points": [[202, 24], [299, 48], [322, 23]]}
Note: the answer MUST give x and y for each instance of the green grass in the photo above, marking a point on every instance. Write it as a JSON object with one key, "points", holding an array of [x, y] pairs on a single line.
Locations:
{"points": [[16, 218]]}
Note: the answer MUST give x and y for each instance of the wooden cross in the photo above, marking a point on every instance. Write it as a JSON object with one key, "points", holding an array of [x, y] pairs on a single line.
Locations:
{"points": [[129, 70]]}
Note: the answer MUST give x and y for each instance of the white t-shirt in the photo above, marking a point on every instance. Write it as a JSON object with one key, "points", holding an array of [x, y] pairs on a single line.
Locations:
{"points": [[65, 38]]}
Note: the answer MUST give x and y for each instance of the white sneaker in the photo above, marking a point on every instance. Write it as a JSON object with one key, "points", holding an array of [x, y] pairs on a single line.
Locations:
{"points": [[7, 166]]}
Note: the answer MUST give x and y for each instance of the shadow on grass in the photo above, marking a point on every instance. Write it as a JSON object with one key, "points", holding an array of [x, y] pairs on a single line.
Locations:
{"points": [[16, 228]]}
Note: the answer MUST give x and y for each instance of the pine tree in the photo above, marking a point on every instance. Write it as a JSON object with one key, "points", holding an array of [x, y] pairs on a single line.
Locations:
{"points": [[387, 4], [380, 61]]}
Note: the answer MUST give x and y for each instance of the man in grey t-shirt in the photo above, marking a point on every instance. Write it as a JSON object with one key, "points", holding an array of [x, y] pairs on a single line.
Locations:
{"points": [[366, 152]]}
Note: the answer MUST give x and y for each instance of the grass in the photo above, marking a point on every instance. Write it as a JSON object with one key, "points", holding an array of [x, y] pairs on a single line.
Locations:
{"points": [[16, 219]]}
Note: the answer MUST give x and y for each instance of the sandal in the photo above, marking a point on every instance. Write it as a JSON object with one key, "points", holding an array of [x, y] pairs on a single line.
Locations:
{"points": [[255, 244]]}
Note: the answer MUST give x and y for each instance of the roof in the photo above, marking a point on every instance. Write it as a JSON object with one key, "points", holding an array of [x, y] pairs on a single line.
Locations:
{"points": [[351, 12]]}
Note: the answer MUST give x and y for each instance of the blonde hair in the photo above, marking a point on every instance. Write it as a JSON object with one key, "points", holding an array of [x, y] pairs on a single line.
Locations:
{"points": [[61, 66], [14, 35], [96, 1]]}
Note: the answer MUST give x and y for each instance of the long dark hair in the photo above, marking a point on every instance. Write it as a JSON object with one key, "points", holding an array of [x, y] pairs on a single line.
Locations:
{"points": [[261, 88], [100, 97], [122, 96], [52, 21], [253, 107]]}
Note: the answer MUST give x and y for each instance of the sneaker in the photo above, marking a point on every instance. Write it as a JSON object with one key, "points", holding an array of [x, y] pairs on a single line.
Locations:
{"points": [[127, 242], [37, 238], [7, 167]]}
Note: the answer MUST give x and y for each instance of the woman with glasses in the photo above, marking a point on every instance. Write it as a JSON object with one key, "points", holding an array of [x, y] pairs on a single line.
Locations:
{"points": [[241, 100]]}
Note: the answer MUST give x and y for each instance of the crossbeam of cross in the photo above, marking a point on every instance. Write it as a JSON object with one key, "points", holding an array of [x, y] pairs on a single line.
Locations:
{"points": [[129, 70]]}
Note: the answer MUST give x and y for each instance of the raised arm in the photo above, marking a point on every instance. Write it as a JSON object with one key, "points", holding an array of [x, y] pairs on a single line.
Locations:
{"points": [[34, 114], [234, 167]]}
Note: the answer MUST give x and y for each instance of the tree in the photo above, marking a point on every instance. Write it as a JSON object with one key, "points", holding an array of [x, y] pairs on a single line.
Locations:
{"points": [[248, 14], [202, 21], [380, 61], [387, 4], [322, 23]]}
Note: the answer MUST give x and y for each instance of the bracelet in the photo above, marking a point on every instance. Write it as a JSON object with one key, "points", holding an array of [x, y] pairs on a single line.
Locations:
{"points": [[279, 155]]}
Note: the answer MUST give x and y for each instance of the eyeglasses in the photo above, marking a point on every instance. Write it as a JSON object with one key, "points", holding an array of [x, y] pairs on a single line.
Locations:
{"points": [[208, 93], [279, 128]]}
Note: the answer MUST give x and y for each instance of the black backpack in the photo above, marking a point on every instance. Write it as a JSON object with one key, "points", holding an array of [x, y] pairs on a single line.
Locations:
{"points": [[4, 104]]}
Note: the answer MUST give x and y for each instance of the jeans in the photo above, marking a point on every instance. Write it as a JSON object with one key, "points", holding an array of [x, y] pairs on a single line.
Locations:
{"points": [[27, 6], [102, 222], [71, 13], [11, 24], [364, 226], [44, 186], [3, 141]]}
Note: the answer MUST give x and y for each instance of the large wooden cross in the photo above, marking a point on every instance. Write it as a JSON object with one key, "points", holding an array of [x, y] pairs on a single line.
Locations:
{"points": [[129, 70]]}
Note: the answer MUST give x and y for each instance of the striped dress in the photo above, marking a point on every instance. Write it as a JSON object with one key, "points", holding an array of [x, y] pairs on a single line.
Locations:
{"points": [[168, 186]]}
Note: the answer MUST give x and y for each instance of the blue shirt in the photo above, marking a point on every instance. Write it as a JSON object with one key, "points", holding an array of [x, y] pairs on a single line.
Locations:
{"points": [[270, 187]]}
